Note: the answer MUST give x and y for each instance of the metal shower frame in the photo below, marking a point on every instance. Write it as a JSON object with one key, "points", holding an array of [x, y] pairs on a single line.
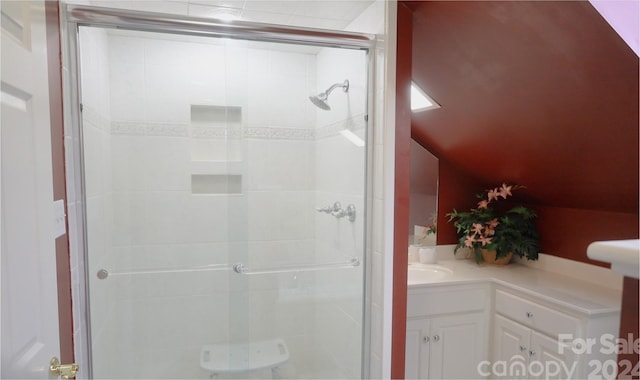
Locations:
{"points": [[74, 16]]}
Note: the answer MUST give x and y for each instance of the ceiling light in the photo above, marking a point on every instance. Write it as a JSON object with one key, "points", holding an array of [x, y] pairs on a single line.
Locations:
{"points": [[420, 101]]}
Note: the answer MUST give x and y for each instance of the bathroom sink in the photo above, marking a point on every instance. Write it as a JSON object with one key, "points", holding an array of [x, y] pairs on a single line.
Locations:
{"points": [[419, 273]]}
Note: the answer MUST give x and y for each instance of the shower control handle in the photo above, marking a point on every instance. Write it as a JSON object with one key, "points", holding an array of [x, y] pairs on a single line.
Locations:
{"points": [[337, 211], [327, 210], [331, 209], [349, 213]]}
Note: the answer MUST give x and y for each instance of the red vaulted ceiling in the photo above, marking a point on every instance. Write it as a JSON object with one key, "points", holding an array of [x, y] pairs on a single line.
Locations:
{"points": [[543, 94]]}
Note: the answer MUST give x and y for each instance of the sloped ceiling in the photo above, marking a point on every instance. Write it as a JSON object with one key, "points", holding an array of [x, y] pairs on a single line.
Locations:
{"points": [[543, 94]]}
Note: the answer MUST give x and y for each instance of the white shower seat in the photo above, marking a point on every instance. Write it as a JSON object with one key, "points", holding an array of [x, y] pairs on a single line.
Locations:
{"points": [[244, 357]]}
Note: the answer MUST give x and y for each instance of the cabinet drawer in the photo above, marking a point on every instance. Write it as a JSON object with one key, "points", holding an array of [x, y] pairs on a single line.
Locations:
{"points": [[541, 318], [446, 300]]}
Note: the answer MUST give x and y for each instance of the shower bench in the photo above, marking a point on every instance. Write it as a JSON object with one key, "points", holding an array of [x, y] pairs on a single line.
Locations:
{"points": [[244, 357]]}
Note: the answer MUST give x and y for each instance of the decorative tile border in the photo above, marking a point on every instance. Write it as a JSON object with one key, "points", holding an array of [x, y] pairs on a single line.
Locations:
{"points": [[271, 133], [263, 133], [127, 128], [167, 129], [149, 129], [216, 133]]}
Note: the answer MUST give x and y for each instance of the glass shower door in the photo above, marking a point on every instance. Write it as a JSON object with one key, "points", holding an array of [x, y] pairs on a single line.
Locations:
{"points": [[225, 211]]}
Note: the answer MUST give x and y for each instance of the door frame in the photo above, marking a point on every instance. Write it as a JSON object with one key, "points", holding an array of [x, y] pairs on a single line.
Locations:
{"points": [[63, 264]]}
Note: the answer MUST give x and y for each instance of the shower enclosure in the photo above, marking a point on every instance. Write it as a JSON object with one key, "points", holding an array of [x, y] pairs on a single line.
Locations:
{"points": [[223, 216]]}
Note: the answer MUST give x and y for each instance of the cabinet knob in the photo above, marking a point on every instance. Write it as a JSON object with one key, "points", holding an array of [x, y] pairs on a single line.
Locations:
{"points": [[523, 348], [436, 338], [425, 339], [529, 314], [531, 353]]}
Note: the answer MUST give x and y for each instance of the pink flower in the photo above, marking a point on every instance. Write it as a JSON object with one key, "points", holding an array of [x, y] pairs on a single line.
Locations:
{"points": [[477, 228], [492, 194], [483, 204], [485, 240], [468, 242], [488, 231], [505, 191], [494, 223]]}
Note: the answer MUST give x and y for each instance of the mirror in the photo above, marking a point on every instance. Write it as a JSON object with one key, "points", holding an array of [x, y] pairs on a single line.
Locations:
{"points": [[423, 201]]}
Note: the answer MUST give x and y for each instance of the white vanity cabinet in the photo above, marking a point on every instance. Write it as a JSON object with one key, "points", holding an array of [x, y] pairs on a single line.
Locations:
{"points": [[446, 331], [516, 348], [534, 339], [514, 321]]}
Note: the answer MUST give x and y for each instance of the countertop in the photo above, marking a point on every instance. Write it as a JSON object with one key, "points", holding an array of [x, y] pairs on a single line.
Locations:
{"points": [[579, 296], [624, 255]]}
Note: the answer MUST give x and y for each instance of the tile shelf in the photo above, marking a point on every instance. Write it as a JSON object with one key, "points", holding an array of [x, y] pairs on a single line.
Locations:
{"points": [[217, 177]]}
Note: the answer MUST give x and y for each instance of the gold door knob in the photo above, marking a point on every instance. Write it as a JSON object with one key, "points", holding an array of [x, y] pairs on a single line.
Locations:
{"points": [[65, 371]]}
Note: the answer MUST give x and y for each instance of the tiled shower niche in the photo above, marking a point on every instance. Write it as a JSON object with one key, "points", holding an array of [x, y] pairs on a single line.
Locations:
{"points": [[217, 167]]}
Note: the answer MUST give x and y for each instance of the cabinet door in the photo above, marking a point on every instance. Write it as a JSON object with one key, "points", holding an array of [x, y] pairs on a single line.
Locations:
{"points": [[458, 345], [416, 365], [510, 351], [551, 359]]}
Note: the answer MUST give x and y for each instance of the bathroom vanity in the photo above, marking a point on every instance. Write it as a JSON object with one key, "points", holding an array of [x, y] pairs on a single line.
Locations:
{"points": [[447, 331], [514, 321]]}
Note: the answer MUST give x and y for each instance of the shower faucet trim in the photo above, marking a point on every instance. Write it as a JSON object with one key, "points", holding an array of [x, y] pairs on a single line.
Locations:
{"points": [[330, 209], [338, 212]]}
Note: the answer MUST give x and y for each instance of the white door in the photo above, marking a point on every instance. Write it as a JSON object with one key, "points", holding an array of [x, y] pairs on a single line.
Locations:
{"points": [[554, 360], [417, 349], [457, 346], [29, 297], [511, 345]]}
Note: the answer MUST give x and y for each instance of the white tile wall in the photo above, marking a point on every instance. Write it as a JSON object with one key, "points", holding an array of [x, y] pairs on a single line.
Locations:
{"points": [[127, 89], [379, 19], [340, 175], [158, 223], [276, 165], [97, 140]]}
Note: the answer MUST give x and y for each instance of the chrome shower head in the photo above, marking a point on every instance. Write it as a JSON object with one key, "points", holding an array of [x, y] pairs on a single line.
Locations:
{"points": [[320, 100]]}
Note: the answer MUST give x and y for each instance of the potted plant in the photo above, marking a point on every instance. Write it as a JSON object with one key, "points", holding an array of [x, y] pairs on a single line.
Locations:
{"points": [[490, 227]]}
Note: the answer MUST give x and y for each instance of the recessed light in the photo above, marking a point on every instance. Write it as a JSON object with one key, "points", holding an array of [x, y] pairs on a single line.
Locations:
{"points": [[420, 101]]}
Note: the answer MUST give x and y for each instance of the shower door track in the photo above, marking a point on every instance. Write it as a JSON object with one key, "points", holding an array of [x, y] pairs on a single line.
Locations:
{"points": [[81, 15], [73, 16]]}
